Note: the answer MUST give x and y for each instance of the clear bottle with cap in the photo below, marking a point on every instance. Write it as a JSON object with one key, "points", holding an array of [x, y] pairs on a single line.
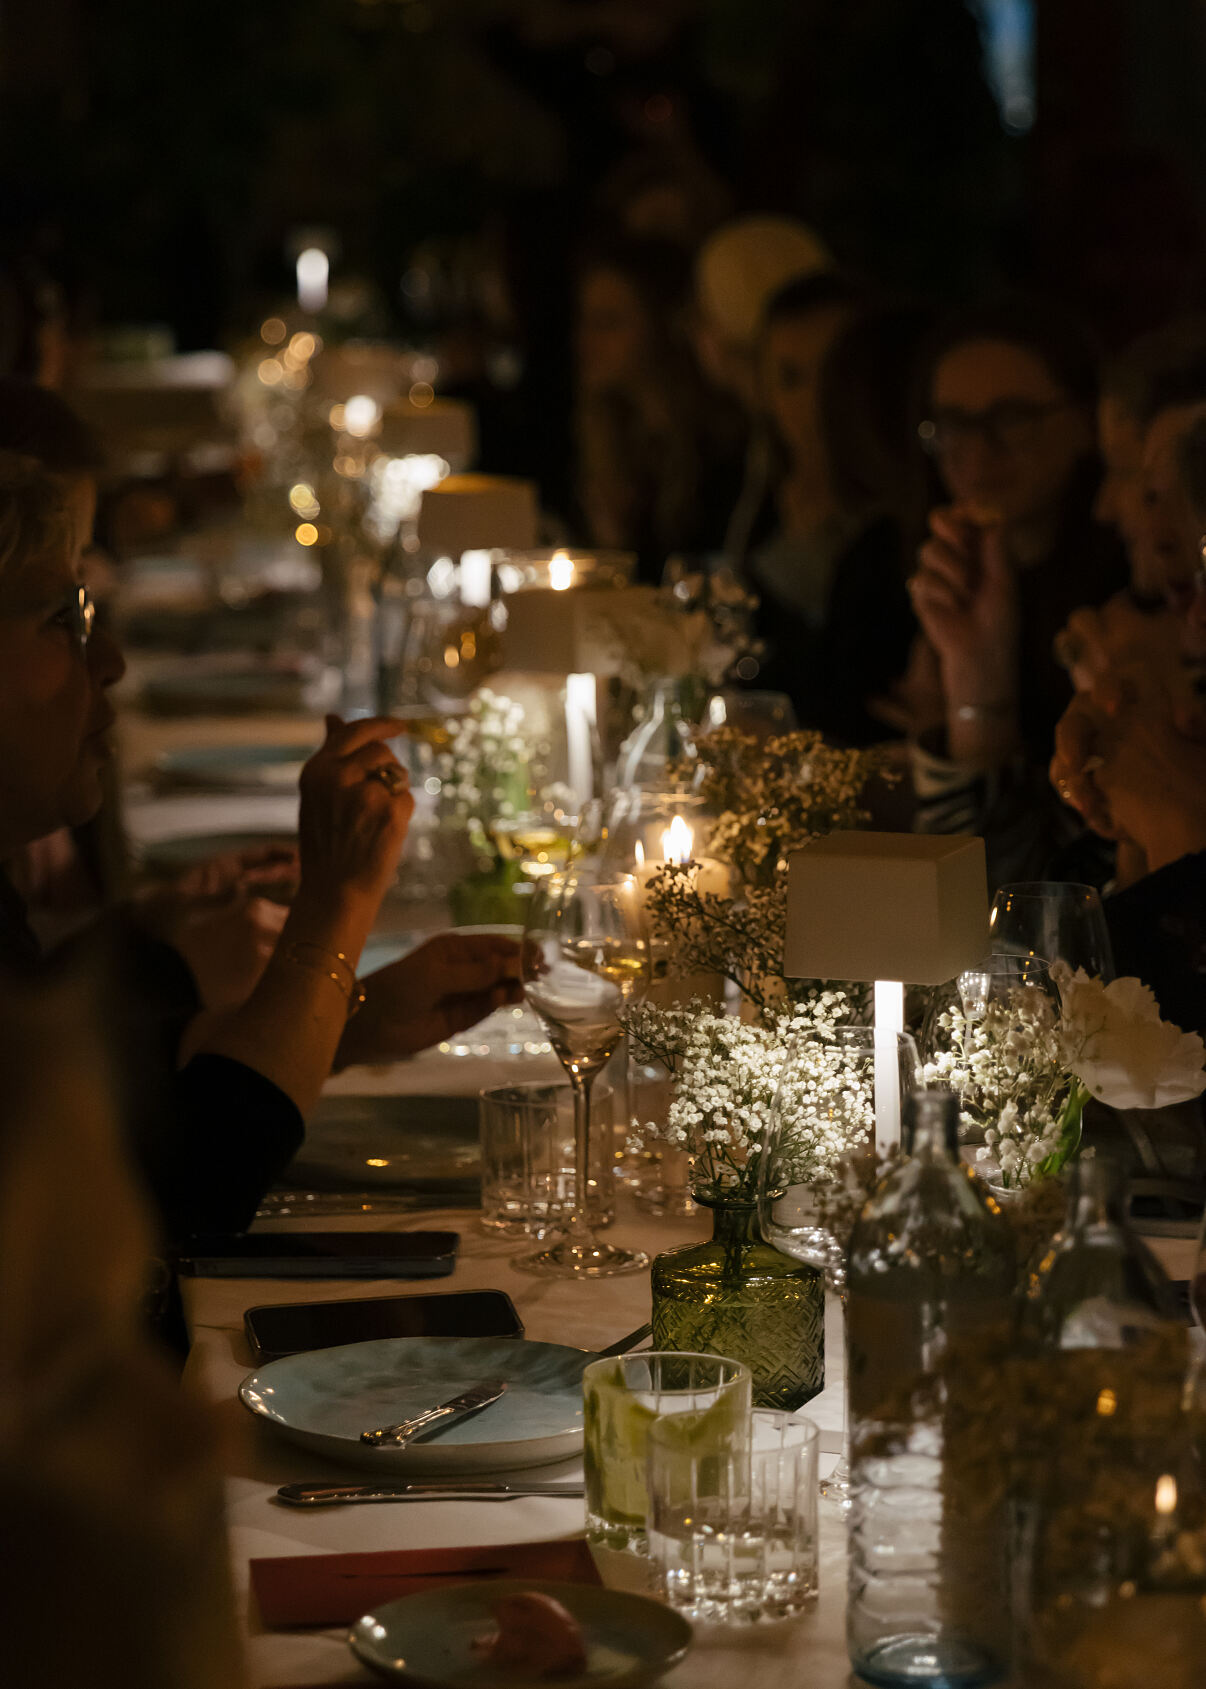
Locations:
{"points": [[930, 1280]]}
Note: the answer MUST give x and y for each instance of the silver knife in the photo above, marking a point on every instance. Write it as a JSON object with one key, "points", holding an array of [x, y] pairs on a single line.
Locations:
{"points": [[424, 1425], [447, 1489]]}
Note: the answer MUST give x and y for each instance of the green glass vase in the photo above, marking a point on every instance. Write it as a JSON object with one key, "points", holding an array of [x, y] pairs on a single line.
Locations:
{"points": [[736, 1296]]}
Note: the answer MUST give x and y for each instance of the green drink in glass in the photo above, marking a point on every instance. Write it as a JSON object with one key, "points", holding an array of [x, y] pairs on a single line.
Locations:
{"points": [[622, 1396]]}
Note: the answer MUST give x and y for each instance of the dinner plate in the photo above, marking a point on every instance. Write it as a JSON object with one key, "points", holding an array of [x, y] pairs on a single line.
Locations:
{"points": [[229, 768], [427, 1639], [371, 1142], [325, 1399]]}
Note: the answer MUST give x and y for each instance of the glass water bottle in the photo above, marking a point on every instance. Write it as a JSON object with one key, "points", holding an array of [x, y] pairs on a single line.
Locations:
{"points": [[930, 1281]]}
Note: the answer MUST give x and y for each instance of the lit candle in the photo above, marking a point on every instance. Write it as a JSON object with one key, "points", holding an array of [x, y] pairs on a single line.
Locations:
{"points": [[580, 705], [561, 572], [313, 273], [889, 1022]]}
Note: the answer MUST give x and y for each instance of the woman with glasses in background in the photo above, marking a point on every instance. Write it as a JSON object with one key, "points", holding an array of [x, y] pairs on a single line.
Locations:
{"points": [[1009, 397]]}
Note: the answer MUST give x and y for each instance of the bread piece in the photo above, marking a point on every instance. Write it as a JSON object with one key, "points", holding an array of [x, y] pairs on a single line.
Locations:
{"points": [[535, 1634]]}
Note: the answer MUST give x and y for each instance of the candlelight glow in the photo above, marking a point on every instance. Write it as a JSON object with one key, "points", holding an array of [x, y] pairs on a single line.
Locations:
{"points": [[678, 841], [361, 415], [1166, 1494], [313, 273], [561, 572]]}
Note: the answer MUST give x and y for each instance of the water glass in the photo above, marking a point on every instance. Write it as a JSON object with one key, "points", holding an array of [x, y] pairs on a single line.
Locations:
{"points": [[527, 1138], [733, 1534], [706, 1396]]}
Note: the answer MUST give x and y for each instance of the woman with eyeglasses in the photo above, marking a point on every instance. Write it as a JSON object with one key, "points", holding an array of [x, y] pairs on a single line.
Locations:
{"points": [[211, 1137], [1010, 393]]}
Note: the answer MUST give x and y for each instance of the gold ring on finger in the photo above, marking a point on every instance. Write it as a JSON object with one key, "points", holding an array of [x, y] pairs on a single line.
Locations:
{"points": [[391, 777]]}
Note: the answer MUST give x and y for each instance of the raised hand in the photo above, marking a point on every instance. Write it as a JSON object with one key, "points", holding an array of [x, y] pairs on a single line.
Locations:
{"points": [[966, 601], [355, 809]]}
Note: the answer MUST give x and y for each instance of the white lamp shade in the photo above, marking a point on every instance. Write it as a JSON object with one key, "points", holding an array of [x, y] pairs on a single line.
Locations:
{"points": [[886, 906], [572, 632], [478, 513], [444, 428]]}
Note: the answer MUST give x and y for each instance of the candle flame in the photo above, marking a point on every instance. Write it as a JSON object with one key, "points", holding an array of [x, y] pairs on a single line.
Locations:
{"points": [[678, 841], [561, 572], [639, 853], [1166, 1494]]}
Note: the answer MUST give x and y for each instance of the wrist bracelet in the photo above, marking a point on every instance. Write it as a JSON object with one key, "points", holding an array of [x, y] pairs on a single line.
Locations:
{"points": [[318, 961], [981, 712]]}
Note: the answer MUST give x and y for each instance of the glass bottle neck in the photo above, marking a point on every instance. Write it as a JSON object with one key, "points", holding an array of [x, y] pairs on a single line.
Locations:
{"points": [[1098, 1195], [931, 1129], [735, 1223]]}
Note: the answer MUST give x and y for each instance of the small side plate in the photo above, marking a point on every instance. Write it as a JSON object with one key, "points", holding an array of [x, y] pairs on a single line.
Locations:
{"points": [[427, 1639]]}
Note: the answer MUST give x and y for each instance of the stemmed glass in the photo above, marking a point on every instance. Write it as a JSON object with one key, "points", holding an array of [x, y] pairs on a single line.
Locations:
{"points": [[1054, 921], [826, 1090], [585, 956]]}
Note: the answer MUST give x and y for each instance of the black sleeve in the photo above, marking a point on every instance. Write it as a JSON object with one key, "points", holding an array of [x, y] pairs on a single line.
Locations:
{"points": [[224, 1134], [1158, 930]]}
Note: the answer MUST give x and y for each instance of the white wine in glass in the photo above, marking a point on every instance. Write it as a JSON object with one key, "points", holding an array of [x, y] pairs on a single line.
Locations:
{"points": [[585, 956]]}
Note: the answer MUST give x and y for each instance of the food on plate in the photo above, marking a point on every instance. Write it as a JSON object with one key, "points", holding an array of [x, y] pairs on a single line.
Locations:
{"points": [[535, 1634]]}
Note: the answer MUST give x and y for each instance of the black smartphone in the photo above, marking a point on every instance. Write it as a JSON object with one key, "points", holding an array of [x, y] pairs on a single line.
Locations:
{"points": [[320, 1255], [292, 1328]]}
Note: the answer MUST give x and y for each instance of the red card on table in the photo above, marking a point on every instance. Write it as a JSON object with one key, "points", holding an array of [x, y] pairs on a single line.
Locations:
{"points": [[325, 1589]]}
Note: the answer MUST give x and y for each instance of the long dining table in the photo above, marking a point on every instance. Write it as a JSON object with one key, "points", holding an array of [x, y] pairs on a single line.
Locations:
{"points": [[809, 1651]]}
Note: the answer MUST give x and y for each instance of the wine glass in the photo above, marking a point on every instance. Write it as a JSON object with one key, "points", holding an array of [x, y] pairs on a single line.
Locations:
{"points": [[1055, 921], [585, 956], [827, 1086]]}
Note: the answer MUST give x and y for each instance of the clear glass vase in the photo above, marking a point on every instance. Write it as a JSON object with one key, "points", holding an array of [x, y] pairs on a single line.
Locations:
{"points": [[736, 1296]]}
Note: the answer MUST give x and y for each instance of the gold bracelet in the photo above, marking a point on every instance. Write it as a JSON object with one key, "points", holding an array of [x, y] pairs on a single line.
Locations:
{"points": [[347, 982]]}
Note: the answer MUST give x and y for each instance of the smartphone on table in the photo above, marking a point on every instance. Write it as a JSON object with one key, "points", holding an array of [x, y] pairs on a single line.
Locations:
{"points": [[293, 1328]]}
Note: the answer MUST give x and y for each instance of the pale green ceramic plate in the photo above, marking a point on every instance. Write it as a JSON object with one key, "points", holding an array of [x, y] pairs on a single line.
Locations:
{"points": [[232, 768], [427, 1639], [326, 1398]]}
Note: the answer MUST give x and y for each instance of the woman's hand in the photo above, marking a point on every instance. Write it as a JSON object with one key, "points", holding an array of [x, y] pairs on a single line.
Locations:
{"points": [[965, 598], [1153, 779], [355, 808], [446, 985]]}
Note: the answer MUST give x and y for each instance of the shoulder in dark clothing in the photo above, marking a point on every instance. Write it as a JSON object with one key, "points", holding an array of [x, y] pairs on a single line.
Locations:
{"points": [[1158, 930]]}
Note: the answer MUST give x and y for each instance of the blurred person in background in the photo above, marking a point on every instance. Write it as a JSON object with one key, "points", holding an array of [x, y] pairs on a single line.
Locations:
{"points": [[658, 446], [826, 556], [1010, 395]]}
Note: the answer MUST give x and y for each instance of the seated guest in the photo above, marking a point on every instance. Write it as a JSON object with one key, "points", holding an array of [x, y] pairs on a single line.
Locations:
{"points": [[826, 556], [1130, 757], [1010, 395], [213, 1136], [658, 446]]}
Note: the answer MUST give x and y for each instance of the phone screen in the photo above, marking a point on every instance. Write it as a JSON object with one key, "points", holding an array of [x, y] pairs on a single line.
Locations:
{"points": [[298, 1254], [290, 1328]]}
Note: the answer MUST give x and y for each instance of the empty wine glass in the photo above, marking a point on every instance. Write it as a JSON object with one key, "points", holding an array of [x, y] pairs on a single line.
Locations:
{"points": [[828, 1088], [585, 956], [1054, 921]]}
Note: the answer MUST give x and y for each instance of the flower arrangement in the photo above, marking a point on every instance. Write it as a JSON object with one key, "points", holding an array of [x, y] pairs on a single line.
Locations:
{"points": [[726, 1076], [698, 628], [1025, 1065], [725, 1069], [484, 771]]}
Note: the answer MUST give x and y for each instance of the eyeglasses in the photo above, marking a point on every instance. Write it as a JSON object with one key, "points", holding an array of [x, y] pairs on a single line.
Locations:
{"points": [[80, 614], [1010, 426]]}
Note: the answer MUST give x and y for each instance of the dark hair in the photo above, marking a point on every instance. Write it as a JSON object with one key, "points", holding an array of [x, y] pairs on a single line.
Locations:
{"points": [[39, 424], [1191, 465], [1060, 342], [1165, 367], [803, 296], [658, 271], [868, 381]]}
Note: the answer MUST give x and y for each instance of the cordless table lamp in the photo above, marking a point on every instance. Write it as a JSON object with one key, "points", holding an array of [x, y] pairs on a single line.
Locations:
{"points": [[888, 909]]}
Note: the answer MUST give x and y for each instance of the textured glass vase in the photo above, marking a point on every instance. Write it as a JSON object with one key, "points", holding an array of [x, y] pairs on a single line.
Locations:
{"points": [[736, 1296]]}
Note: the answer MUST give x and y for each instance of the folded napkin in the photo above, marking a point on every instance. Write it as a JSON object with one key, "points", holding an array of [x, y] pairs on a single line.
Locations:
{"points": [[327, 1589]]}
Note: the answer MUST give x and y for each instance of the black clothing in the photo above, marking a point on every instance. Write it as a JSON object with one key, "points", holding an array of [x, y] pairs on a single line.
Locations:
{"points": [[831, 670], [1158, 930], [209, 1138]]}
